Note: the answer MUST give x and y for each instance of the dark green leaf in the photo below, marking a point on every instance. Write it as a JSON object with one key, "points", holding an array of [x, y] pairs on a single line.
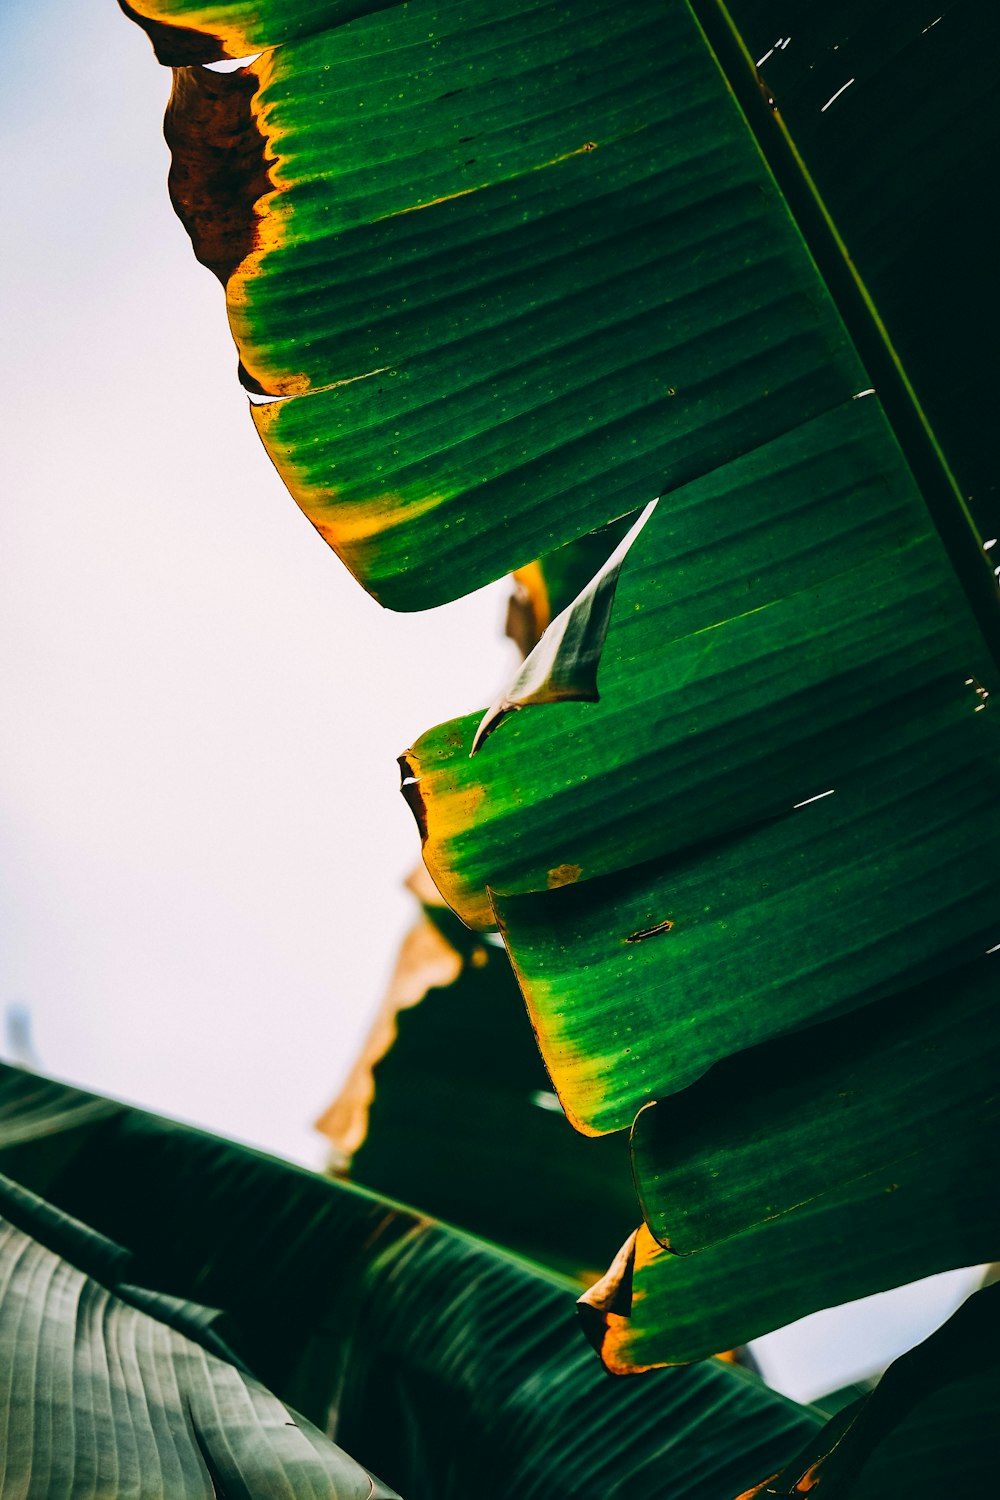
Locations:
{"points": [[101, 1395], [933, 1212], [422, 1350], [826, 1105], [927, 1430], [463, 1122]]}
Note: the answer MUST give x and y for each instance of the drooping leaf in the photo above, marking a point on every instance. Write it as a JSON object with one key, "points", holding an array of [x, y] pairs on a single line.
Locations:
{"points": [[769, 929], [411, 1343], [515, 275], [480, 356], [108, 1390], [780, 623]]}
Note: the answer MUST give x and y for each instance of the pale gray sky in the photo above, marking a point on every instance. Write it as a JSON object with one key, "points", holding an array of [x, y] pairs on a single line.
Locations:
{"points": [[200, 896]]}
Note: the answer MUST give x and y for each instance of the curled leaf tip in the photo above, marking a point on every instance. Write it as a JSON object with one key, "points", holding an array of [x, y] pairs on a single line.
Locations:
{"points": [[562, 667]]}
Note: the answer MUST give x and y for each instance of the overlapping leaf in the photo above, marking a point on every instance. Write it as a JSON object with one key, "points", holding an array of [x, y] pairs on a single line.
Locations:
{"points": [[110, 1390], [462, 1121], [928, 1429], [422, 1350], [932, 1212], [512, 273], [519, 274], [824, 1106]]}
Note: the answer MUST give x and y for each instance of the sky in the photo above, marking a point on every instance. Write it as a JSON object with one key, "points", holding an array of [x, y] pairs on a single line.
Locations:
{"points": [[204, 845]]}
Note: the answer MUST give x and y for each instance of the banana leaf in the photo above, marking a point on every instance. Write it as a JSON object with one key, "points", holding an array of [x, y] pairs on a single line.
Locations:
{"points": [[450, 1367], [827, 1106], [936, 1211], [928, 1429], [110, 1389], [501, 275]]}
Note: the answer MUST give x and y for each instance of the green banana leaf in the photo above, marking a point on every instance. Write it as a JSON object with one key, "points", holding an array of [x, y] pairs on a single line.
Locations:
{"points": [[933, 1212], [109, 1389], [927, 1430], [450, 1367], [504, 274], [827, 1106]]}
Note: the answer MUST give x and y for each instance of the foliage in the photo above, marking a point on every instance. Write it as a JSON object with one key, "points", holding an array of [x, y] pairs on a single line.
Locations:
{"points": [[500, 276], [421, 1350]]}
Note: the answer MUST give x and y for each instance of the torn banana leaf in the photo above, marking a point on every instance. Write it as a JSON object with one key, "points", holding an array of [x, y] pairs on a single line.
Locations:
{"points": [[562, 667], [462, 1120], [935, 1211], [515, 276], [108, 1389], [927, 1430], [545, 587], [199, 31], [781, 622], [420, 1349], [825, 1105], [850, 898]]}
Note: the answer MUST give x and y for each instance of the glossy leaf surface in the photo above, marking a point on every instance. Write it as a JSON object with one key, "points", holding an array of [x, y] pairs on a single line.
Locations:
{"points": [[411, 1342], [110, 1390], [779, 623], [519, 271], [511, 273]]}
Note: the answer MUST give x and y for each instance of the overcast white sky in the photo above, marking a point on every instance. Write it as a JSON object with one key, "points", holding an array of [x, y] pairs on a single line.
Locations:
{"points": [[198, 790], [200, 895]]}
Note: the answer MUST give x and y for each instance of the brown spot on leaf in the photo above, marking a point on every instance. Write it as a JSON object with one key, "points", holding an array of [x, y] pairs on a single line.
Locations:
{"points": [[647, 932], [220, 166], [563, 875]]}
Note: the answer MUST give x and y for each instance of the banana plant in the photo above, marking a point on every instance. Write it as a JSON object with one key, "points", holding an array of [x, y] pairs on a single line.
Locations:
{"points": [[499, 278], [503, 276], [181, 1316]]}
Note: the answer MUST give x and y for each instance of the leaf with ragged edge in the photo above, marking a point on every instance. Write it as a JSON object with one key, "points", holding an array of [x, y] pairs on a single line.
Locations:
{"points": [[200, 31], [461, 1120], [927, 1430], [411, 1342], [108, 1389], [545, 587], [933, 1212], [480, 356], [824, 1106], [515, 276], [779, 624]]}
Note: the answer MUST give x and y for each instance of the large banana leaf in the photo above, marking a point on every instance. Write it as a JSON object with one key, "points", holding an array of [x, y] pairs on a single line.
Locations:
{"points": [[110, 1389], [452, 1368], [511, 272]]}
